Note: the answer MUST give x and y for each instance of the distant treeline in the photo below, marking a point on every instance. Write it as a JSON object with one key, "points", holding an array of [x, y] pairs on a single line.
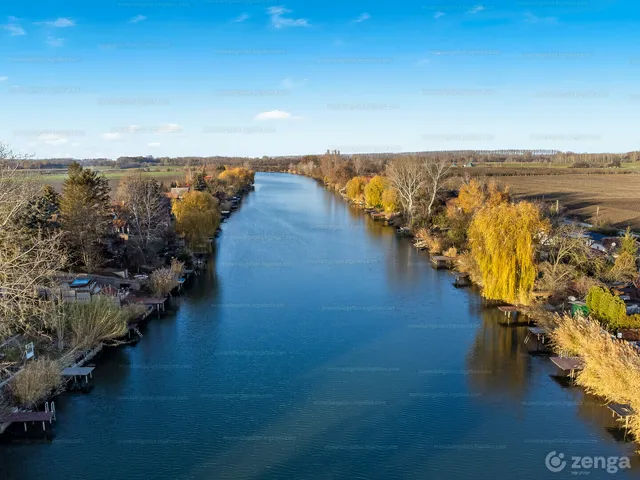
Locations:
{"points": [[265, 163]]}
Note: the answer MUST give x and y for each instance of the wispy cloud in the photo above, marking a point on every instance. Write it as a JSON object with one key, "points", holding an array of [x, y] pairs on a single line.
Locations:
{"points": [[13, 27], [362, 18], [4, 79], [55, 42], [422, 62], [138, 18], [531, 18], [153, 144], [111, 136], [169, 128], [279, 21], [438, 15], [289, 83], [274, 115], [241, 18], [52, 139], [476, 9], [59, 23]]}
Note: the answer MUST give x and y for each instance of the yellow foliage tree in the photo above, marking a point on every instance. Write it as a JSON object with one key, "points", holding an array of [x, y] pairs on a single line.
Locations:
{"points": [[237, 178], [390, 200], [503, 240], [474, 195], [355, 188], [373, 191], [197, 217]]}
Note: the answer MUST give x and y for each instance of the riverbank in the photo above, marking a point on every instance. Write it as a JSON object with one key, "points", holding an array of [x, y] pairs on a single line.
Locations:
{"points": [[560, 248], [315, 342], [11, 416]]}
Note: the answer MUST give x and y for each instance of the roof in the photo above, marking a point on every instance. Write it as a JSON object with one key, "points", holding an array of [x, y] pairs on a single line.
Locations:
{"points": [[77, 371], [80, 282]]}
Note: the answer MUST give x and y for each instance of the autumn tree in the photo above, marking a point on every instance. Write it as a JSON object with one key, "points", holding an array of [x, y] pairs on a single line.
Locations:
{"points": [[197, 218], [147, 212], [407, 176], [503, 242], [355, 189], [85, 215], [199, 182], [390, 200], [374, 190]]}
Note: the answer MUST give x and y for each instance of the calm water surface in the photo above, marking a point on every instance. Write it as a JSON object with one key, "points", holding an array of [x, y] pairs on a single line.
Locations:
{"points": [[320, 345]]}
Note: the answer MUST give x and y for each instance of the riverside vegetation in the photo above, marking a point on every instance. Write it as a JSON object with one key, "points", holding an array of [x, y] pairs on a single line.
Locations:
{"points": [[517, 252], [44, 235]]}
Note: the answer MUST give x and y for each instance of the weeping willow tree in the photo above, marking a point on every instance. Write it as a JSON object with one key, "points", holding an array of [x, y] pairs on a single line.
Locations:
{"points": [[503, 241]]}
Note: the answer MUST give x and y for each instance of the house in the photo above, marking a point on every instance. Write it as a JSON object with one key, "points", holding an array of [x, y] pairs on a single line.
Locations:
{"points": [[178, 192]]}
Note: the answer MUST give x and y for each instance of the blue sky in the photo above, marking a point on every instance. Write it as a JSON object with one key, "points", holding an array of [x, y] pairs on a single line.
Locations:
{"points": [[253, 78]]}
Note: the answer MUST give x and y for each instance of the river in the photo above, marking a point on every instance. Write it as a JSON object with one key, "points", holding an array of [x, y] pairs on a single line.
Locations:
{"points": [[318, 344]]}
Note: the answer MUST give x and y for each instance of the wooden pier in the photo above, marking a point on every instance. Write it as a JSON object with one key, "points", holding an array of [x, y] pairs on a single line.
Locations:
{"points": [[568, 365], [441, 261], [623, 412]]}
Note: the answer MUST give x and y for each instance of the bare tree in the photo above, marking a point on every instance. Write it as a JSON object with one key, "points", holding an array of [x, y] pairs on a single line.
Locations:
{"points": [[436, 170], [407, 175], [147, 212], [359, 165], [28, 260]]}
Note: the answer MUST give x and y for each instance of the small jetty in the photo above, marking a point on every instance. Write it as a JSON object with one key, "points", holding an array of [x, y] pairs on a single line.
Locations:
{"points": [[461, 279], [569, 366], [623, 412], [75, 375], [31, 419], [442, 261], [540, 334]]}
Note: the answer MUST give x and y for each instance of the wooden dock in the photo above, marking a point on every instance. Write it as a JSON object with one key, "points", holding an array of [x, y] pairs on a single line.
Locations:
{"points": [[568, 365], [623, 411], [442, 261], [461, 280], [29, 417]]}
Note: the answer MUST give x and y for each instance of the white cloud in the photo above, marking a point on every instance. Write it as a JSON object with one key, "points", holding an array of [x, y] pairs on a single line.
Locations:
{"points": [[52, 139], [278, 21], [274, 115], [363, 17], [287, 83], [422, 62], [13, 27], [476, 9], [55, 42], [241, 18], [4, 79], [439, 14], [137, 18], [59, 23], [111, 136], [169, 128], [153, 144], [133, 128]]}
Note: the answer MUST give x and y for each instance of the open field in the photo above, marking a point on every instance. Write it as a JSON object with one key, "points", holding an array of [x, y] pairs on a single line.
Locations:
{"points": [[115, 175], [617, 196]]}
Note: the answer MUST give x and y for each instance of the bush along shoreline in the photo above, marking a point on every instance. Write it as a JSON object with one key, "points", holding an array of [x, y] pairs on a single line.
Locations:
{"points": [[582, 289], [94, 265]]}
